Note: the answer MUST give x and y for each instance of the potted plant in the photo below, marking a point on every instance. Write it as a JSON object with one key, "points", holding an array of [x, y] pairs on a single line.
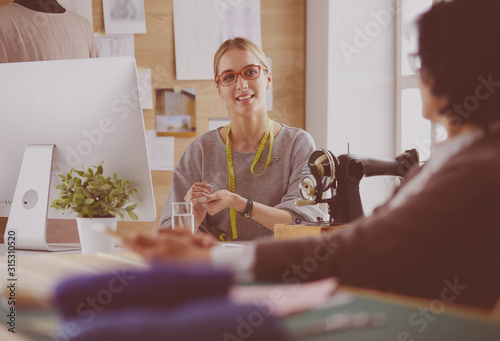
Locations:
{"points": [[97, 200]]}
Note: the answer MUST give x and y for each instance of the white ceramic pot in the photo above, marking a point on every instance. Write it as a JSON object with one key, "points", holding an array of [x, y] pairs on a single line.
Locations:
{"points": [[93, 239]]}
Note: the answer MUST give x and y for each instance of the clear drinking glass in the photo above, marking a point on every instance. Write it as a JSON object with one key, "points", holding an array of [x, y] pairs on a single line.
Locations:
{"points": [[182, 216]]}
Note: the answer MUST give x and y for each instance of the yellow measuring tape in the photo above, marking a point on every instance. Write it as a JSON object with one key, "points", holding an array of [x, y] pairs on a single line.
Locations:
{"points": [[232, 184]]}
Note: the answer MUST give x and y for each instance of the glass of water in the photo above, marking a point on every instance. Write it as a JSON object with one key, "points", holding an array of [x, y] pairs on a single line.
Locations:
{"points": [[182, 216]]}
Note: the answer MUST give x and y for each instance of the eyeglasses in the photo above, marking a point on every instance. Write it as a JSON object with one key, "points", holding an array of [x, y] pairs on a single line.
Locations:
{"points": [[414, 62], [230, 77]]}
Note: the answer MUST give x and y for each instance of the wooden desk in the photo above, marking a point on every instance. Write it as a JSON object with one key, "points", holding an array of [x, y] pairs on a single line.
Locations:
{"points": [[407, 318], [37, 273], [290, 231]]}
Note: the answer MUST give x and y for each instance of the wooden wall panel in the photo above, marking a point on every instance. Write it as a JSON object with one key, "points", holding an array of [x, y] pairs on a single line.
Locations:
{"points": [[283, 40]]}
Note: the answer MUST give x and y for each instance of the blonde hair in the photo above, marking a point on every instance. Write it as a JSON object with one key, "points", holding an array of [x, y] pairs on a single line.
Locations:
{"points": [[239, 43]]}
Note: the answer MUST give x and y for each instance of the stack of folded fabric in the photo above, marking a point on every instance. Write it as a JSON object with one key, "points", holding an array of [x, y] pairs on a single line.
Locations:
{"points": [[166, 302]]}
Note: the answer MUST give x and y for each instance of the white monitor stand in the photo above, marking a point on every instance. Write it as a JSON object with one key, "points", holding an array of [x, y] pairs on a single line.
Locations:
{"points": [[28, 215]]}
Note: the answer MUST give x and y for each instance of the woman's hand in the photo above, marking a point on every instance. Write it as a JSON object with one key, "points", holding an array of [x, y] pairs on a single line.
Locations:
{"points": [[198, 191], [172, 244], [222, 199], [265, 215]]}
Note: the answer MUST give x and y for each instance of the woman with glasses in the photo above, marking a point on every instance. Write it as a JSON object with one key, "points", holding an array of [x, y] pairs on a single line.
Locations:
{"points": [[243, 178]]}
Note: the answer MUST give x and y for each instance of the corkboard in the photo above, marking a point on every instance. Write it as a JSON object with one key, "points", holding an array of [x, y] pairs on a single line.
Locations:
{"points": [[283, 40]]}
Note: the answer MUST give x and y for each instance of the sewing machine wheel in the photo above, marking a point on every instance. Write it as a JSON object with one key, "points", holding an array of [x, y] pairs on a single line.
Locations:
{"points": [[318, 175], [325, 163], [307, 188]]}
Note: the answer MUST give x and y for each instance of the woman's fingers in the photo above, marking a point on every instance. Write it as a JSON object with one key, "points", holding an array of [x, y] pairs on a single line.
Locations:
{"points": [[216, 202], [198, 191]]}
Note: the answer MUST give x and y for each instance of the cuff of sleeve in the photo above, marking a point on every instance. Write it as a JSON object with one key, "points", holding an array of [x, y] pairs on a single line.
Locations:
{"points": [[238, 259]]}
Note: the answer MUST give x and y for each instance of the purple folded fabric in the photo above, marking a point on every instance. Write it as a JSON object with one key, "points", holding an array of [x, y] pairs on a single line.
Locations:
{"points": [[162, 286], [208, 319]]}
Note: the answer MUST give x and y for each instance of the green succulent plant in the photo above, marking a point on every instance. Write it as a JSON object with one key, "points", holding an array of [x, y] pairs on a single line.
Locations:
{"points": [[89, 194]]}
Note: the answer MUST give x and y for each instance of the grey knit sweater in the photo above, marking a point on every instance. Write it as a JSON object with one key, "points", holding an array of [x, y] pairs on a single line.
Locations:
{"points": [[205, 160]]}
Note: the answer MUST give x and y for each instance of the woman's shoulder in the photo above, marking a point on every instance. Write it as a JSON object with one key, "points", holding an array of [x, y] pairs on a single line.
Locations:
{"points": [[206, 140], [291, 134], [200, 147]]}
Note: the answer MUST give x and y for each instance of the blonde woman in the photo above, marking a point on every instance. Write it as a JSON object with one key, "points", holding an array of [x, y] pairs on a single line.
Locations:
{"points": [[243, 178]]}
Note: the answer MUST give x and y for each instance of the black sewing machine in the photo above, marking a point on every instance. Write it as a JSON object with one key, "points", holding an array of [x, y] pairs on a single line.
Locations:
{"points": [[340, 176]]}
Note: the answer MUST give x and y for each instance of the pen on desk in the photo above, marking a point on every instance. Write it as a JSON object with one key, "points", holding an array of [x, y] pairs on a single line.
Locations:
{"points": [[340, 322]]}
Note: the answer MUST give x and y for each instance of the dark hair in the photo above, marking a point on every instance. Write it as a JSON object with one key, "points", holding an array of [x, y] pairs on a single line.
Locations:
{"points": [[459, 49]]}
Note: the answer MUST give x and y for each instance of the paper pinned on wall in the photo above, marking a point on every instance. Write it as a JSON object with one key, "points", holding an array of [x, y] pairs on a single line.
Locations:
{"points": [[82, 7], [115, 45], [240, 18], [145, 88], [200, 26], [160, 151], [124, 16], [269, 92], [214, 123]]}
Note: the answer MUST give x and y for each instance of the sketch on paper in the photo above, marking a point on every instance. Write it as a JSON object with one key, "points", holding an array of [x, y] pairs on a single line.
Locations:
{"points": [[200, 27], [145, 88], [175, 112], [160, 151], [115, 45], [124, 16]]}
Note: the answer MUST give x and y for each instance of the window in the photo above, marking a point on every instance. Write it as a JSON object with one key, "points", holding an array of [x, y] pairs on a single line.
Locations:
{"points": [[412, 130]]}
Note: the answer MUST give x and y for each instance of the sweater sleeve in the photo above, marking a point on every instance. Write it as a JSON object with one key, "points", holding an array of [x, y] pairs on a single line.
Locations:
{"points": [[302, 148]]}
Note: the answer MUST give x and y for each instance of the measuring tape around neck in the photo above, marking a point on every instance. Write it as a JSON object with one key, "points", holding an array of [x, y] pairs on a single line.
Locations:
{"points": [[232, 183]]}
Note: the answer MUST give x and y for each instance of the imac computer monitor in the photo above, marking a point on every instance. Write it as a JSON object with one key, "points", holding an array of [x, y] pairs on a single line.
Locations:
{"points": [[64, 114]]}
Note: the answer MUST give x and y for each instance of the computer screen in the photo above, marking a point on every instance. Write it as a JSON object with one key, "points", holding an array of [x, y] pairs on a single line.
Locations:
{"points": [[89, 109]]}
